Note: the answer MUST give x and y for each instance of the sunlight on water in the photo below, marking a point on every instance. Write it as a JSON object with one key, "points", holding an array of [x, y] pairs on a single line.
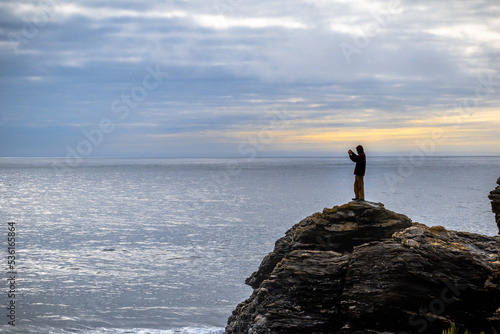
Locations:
{"points": [[114, 246]]}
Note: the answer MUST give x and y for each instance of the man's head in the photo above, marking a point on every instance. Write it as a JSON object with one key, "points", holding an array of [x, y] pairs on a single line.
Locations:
{"points": [[359, 149]]}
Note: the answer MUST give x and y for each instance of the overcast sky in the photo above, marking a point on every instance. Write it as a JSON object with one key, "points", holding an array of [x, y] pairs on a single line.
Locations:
{"points": [[236, 78]]}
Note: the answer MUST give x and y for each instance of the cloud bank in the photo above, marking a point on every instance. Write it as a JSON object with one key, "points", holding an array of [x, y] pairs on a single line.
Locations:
{"points": [[388, 74]]}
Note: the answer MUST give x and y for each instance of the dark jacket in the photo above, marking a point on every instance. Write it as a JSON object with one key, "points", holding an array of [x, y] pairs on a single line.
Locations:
{"points": [[360, 160]]}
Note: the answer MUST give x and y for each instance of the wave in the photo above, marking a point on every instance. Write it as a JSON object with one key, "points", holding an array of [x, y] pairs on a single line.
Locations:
{"points": [[183, 330]]}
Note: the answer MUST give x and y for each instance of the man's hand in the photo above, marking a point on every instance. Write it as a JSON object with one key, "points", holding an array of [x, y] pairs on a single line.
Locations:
{"points": [[351, 152]]}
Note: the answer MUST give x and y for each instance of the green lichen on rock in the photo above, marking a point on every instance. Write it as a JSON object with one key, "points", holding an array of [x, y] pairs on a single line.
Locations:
{"points": [[455, 330]]}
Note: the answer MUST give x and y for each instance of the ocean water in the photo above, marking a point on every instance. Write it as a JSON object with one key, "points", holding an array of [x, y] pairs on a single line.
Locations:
{"points": [[164, 245]]}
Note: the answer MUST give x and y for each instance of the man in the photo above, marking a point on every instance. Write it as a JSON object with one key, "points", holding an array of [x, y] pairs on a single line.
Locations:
{"points": [[359, 172]]}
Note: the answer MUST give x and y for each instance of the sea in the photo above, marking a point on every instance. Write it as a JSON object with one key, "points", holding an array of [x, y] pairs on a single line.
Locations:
{"points": [[163, 246]]}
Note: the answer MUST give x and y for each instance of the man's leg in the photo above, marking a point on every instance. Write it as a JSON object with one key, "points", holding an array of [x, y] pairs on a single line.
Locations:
{"points": [[356, 187], [360, 194]]}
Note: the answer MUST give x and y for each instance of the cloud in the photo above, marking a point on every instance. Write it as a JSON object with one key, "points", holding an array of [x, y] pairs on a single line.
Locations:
{"points": [[334, 64]]}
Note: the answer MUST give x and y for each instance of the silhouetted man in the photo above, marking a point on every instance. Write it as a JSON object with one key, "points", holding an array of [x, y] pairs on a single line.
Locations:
{"points": [[359, 172]]}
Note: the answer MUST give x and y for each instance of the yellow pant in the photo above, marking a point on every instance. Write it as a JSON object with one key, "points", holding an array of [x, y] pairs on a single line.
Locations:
{"points": [[359, 187]]}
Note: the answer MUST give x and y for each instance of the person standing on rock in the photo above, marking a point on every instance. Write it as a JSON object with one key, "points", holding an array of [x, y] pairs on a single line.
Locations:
{"points": [[359, 172]]}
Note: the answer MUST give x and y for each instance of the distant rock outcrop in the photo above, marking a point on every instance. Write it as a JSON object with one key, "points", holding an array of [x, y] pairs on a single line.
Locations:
{"points": [[360, 268], [495, 203]]}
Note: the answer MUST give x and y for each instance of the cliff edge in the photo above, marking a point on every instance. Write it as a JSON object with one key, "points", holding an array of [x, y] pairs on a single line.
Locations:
{"points": [[495, 203], [360, 268]]}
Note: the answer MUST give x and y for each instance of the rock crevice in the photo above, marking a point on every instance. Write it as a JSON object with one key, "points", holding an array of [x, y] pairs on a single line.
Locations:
{"points": [[360, 268]]}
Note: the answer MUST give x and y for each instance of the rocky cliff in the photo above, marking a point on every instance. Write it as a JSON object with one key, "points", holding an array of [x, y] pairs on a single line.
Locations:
{"points": [[360, 268], [495, 203]]}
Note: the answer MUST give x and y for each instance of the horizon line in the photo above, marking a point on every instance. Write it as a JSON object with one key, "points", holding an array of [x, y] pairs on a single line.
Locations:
{"points": [[257, 157]]}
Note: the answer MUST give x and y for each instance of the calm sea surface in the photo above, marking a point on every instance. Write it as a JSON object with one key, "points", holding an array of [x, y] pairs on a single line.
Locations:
{"points": [[164, 246]]}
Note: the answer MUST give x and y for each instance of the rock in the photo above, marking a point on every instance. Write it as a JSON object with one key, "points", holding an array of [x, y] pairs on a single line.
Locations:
{"points": [[360, 268], [495, 203], [338, 229], [287, 301]]}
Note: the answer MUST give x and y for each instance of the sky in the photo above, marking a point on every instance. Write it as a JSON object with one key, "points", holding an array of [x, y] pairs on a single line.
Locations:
{"points": [[245, 78]]}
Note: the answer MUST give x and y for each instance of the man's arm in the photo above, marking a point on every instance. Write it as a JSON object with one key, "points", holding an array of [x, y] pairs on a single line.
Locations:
{"points": [[353, 156]]}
